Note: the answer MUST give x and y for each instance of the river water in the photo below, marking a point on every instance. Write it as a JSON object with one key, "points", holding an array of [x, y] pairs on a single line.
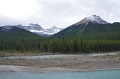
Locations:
{"points": [[111, 74]]}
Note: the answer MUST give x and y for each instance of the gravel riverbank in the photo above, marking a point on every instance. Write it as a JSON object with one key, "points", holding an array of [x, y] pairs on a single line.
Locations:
{"points": [[70, 63]]}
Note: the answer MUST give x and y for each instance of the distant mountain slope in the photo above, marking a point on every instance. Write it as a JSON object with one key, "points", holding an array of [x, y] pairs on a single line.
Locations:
{"points": [[12, 32], [95, 28]]}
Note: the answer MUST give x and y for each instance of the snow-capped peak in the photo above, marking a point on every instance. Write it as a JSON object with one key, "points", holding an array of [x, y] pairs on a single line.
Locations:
{"points": [[94, 19], [31, 27]]}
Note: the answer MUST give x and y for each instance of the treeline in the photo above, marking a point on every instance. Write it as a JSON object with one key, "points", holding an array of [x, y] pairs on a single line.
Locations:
{"points": [[60, 45]]}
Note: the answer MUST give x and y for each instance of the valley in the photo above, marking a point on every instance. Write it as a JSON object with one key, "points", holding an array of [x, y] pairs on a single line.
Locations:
{"points": [[92, 34]]}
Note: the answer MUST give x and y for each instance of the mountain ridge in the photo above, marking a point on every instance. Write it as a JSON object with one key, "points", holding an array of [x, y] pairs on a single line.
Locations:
{"points": [[37, 29], [91, 28]]}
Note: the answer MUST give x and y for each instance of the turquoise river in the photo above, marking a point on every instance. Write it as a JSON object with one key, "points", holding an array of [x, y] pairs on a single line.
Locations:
{"points": [[110, 74]]}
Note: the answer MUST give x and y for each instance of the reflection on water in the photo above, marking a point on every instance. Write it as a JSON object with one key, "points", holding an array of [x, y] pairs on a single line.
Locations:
{"points": [[113, 74]]}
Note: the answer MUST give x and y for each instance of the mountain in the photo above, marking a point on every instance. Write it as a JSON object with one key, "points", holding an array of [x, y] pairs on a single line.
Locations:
{"points": [[13, 32], [31, 27], [94, 19], [91, 27], [46, 32], [35, 28]]}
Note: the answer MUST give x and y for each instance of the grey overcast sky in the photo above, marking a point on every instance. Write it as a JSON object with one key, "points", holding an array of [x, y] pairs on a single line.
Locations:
{"points": [[60, 13]]}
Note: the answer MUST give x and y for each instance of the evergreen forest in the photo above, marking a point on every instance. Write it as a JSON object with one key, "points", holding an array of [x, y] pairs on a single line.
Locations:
{"points": [[55, 45], [83, 38]]}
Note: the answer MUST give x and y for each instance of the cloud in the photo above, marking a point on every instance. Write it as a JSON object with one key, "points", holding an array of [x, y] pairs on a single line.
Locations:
{"points": [[61, 13], [7, 21]]}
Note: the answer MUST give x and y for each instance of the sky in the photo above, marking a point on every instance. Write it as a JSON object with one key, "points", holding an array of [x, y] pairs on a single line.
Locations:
{"points": [[60, 13]]}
